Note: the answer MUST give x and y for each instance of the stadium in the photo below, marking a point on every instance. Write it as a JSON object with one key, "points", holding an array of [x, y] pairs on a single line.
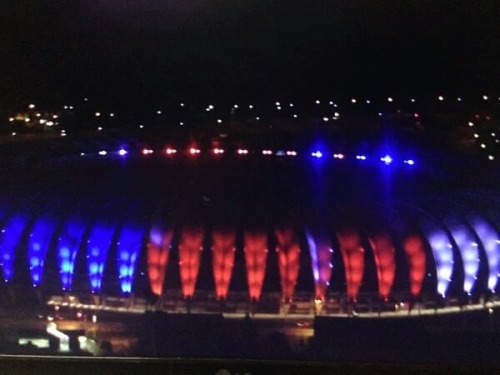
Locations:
{"points": [[235, 230]]}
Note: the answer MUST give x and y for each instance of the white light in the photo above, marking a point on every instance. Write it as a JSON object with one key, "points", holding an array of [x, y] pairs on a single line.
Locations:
{"points": [[267, 152], [85, 99], [158, 112], [181, 123], [219, 121], [94, 318], [97, 114], [277, 104], [368, 102], [491, 157], [193, 151], [485, 97], [387, 159], [459, 99], [291, 104], [493, 134], [331, 103], [218, 151], [147, 151], [250, 106], [242, 151], [99, 128], [14, 134], [291, 153], [70, 107], [31, 106], [476, 135], [235, 106], [182, 104], [111, 115], [141, 126], [122, 152], [483, 145], [295, 116], [11, 119], [471, 123], [380, 113], [103, 153], [389, 99], [318, 102], [279, 108], [338, 156], [361, 157], [257, 118], [171, 151], [440, 98], [27, 119], [412, 100], [336, 114], [353, 101], [317, 154], [409, 162], [82, 153], [49, 123], [325, 119], [38, 115], [43, 121]]}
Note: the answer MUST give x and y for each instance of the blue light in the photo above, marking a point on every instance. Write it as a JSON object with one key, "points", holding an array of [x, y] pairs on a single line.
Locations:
{"points": [[68, 244], [491, 242], [38, 244], [122, 152], [129, 244], [99, 243], [443, 256], [387, 159], [314, 255], [469, 251], [409, 162], [9, 240]]}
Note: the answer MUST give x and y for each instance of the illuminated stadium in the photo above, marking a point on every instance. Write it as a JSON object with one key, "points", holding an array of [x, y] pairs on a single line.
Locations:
{"points": [[262, 231]]}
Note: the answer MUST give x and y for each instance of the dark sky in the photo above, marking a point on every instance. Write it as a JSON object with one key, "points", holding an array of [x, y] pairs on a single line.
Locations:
{"points": [[151, 50]]}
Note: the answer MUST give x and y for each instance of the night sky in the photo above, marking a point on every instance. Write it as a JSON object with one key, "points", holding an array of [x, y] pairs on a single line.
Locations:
{"points": [[138, 51]]}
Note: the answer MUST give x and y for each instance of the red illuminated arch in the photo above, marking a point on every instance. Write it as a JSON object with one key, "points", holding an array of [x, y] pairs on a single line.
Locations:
{"points": [[255, 247], [354, 260], [190, 248], [384, 254], [415, 252], [157, 258], [288, 250], [223, 251]]}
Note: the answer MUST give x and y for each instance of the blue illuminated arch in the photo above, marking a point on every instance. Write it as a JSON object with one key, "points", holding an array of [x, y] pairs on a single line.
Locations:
{"points": [[98, 244], [468, 248], [442, 251], [491, 243], [68, 243], [129, 244], [38, 243], [10, 236]]}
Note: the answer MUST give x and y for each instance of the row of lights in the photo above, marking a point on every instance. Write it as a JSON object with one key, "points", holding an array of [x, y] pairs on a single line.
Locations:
{"points": [[386, 159]]}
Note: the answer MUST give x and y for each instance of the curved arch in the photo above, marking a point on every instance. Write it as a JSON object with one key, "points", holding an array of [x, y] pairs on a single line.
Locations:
{"points": [[255, 248], [68, 243], [9, 240], [98, 244], [223, 251], [321, 262], [442, 251], [41, 235], [190, 248], [384, 254], [414, 248], [468, 248], [288, 250], [353, 255], [128, 246], [158, 251], [491, 243]]}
